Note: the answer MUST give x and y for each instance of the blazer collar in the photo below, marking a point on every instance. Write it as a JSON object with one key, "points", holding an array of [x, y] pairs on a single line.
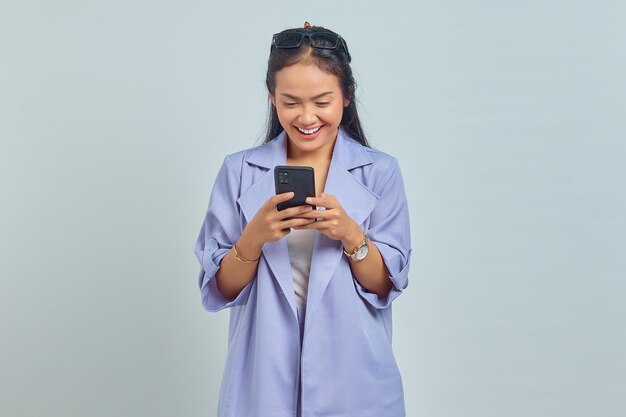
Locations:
{"points": [[356, 199]]}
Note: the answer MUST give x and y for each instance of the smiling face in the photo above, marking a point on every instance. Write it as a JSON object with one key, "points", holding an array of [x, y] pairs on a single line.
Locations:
{"points": [[311, 99]]}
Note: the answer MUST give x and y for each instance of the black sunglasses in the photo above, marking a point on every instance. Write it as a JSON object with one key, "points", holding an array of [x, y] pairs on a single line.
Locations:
{"points": [[292, 38]]}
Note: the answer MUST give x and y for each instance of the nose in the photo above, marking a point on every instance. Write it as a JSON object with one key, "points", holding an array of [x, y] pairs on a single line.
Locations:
{"points": [[307, 116]]}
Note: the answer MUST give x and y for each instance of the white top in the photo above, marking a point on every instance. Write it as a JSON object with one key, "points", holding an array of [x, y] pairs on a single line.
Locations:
{"points": [[300, 244]]}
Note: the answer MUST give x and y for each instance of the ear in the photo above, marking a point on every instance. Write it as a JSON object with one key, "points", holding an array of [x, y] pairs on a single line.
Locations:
{"points": [[346, 102], [273, 99]]}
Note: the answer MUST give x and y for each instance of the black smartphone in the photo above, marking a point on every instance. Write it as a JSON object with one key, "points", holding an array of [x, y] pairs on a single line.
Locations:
{"points": [[299, 179]]}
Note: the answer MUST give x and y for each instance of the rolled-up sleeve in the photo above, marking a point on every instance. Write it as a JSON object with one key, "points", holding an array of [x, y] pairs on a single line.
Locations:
{"points": [[389, 229], [220, 230]]}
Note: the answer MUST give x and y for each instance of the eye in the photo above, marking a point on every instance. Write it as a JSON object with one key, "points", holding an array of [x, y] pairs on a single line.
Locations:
{"points": [[325, 103], [290, 104]]}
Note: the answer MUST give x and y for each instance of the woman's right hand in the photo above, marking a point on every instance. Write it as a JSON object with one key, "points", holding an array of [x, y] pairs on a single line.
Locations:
{"points": [[269, 224]]}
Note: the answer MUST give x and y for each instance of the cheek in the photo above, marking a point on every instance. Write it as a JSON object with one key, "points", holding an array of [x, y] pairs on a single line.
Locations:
{"points": [[285, 113], [335, 112], [332, 112]]}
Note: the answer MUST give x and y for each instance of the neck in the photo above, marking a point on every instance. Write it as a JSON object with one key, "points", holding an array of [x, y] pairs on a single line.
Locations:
{"points": [[320, 155]]}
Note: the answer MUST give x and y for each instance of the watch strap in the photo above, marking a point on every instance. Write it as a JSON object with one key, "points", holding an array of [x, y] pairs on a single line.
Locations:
{"points": [[359, 246]]}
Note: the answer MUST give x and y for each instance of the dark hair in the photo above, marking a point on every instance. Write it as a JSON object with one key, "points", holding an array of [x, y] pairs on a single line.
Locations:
{"points": [[332, 61]]}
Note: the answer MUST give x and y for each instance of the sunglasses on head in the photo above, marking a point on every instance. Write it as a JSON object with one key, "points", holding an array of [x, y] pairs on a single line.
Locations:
{"points": [[292, 38]]}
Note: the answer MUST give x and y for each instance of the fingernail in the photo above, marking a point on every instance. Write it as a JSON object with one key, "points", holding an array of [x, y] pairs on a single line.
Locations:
{"points": [[308, 200]]}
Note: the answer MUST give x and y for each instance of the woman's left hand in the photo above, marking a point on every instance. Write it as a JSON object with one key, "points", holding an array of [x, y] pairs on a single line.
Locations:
{"points": [[335, 222]]}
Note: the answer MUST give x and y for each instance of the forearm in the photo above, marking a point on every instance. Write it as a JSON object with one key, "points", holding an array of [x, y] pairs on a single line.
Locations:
{"points": [[235, 274], [371, 272]]}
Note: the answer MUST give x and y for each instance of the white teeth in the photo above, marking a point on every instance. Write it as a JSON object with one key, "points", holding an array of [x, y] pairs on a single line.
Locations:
{"points": [[308, 132]]}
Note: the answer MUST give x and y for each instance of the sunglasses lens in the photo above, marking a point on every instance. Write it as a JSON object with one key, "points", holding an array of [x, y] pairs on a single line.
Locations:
{"points": [[288, 39], [293, 38]]}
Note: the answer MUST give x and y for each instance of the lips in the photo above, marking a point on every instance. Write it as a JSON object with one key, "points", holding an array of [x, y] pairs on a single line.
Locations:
{"points": [[309, 131], [310, 135]]}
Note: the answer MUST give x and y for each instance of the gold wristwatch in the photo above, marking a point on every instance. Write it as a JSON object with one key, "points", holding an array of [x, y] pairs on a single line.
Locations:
{"points": [[360, 251]]}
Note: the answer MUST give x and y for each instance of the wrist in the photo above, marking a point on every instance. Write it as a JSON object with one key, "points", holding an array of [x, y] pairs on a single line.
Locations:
{"points": [[353, 239], [248, 247]]}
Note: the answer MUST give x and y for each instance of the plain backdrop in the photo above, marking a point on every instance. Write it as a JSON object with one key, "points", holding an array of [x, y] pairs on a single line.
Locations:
{"points": [[507, 118]]}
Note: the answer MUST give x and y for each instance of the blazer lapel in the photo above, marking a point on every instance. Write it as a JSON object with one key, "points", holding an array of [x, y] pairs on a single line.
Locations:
{"points": [[263, 159], [355, 198]]}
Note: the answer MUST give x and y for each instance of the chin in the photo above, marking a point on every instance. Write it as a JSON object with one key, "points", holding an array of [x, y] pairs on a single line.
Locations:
{"points": [[310, 144], [306, 147]]}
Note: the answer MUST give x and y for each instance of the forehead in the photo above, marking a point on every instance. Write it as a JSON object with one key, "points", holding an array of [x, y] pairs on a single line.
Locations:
{"points": [[305, 78]]}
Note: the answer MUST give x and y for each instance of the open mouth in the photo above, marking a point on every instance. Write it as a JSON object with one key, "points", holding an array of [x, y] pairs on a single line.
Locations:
{"points": [[309, 133]]}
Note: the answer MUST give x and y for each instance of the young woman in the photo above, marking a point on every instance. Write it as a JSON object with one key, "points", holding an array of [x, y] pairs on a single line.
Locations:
{"points": [[340, 265]]}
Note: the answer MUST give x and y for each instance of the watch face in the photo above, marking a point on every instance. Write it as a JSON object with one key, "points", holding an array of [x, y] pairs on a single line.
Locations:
{"points": [[362, 252]]}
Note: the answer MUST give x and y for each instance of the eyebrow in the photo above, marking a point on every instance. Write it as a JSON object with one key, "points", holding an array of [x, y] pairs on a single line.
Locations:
{"points": [[312, 98]]}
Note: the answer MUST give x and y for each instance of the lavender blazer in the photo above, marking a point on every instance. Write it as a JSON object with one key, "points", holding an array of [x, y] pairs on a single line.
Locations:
{"points": [[346, 363]]}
